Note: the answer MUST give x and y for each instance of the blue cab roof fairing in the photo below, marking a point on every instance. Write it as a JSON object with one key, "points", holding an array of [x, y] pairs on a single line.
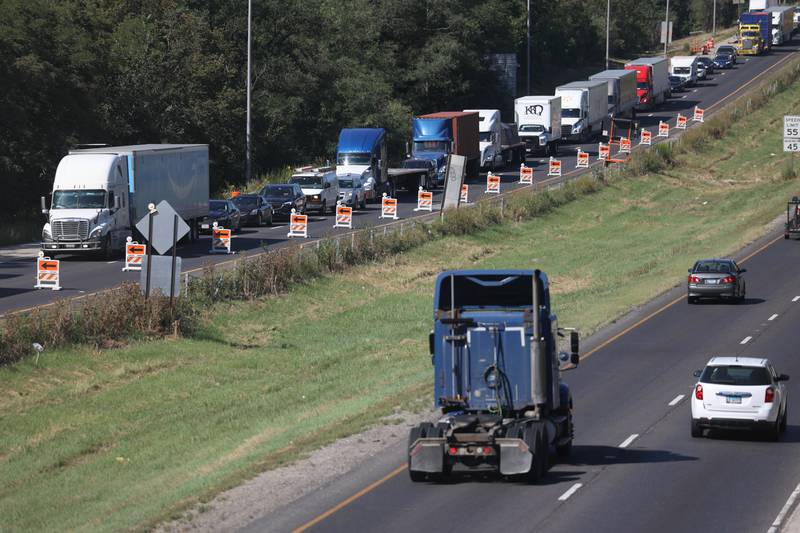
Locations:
{"points": [[431, 129], [360, 140]]}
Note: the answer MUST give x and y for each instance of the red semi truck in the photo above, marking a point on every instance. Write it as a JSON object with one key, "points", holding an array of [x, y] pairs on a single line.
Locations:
{"points": [[652, 80]]}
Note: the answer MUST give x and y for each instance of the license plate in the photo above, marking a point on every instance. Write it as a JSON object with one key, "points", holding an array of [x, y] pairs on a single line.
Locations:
{"points": [[711, 281], [204, 226], [733, 399]]}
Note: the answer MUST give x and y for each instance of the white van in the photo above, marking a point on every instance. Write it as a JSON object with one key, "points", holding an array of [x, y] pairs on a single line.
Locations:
{"points": [[684, 67], [320, 187]]}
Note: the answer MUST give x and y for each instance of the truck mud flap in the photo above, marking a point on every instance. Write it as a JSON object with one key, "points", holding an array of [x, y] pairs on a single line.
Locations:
{"points": [[515, 456], [427, 455]]}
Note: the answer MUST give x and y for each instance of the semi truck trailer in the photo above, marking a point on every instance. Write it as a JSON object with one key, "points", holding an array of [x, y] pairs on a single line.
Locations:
{"points": [[652, 80], [538, 121], [622, 97], [584, 105], [499, 143], [781, 24], [497, 377], [99, 194]]}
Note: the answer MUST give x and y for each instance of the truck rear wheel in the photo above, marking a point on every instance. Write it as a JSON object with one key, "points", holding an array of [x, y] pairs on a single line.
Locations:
{"points": [[536, 439]]}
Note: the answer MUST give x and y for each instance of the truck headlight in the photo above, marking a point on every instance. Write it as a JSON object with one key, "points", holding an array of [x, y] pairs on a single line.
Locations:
{"points": [[315, 197], [577, 128], [96, 232]]}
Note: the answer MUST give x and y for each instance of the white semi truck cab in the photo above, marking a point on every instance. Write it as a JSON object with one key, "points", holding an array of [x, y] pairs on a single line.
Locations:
{"points": [[538, 121], [584, 105], [99, 194]]}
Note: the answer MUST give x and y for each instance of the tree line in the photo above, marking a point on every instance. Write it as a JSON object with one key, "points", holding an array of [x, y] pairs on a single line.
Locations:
{"points": [[144, 71]]}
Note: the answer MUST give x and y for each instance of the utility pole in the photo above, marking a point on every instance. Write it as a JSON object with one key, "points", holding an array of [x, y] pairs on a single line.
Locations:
{"points": [[249, 165], [666, 31], [608, 27], [714, 21], [529, 48]]}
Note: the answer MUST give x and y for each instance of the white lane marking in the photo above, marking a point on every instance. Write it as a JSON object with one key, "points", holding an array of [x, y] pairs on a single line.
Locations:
{"points": [[784, 510], [572, 490], [627, 442], [722, 73], [773, 317], [650, 115], [694, 90], [746, 340], [796, 298], [684, 96], [675, 400], [110, 262]]}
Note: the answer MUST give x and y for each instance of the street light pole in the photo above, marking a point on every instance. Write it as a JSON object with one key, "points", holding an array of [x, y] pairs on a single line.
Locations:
{"points": [[608, 27], [529, 48], [666, 31], [714, 19], [248, 170]]}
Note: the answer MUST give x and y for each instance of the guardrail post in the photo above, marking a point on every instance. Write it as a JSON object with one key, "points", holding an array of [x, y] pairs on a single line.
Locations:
{"points": [[502, 206]]}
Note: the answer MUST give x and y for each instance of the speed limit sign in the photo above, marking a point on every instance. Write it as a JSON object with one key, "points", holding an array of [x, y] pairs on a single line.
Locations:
{"points": [[791, 133], [791, 145]]}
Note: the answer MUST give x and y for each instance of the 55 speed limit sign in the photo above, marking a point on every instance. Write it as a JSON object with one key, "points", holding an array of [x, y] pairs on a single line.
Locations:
{"points": [[791, 133]]}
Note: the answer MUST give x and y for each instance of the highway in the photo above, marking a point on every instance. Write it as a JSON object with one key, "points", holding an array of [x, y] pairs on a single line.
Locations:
{"points": [[83, 275], [635, 466]]}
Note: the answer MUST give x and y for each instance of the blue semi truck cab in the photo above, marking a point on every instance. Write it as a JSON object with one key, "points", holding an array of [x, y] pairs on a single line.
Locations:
{"points": [[431, 140], [362, 152], [497, 377]]}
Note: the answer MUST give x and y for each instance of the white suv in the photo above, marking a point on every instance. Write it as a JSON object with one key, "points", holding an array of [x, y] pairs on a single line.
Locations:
{"points": [[739, 393]]}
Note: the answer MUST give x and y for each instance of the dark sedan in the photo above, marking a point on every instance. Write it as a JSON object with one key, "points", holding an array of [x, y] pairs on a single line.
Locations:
{"points": [[676, 84], [224, 213], [723, 61], [285, 197], [256, 210], [716, 278], [707, 63], [728, 50]]}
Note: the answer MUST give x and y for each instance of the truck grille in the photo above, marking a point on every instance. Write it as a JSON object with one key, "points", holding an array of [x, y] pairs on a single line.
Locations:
{"points": [[70, 230], [747, 44], [566, 131]]}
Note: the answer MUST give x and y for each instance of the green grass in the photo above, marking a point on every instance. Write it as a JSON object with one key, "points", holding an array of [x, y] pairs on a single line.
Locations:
{"points": [[123, 438]]}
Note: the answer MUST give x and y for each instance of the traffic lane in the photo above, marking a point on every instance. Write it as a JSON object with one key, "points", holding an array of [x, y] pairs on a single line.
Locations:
{"points": [[739, 481], [622, 391]]}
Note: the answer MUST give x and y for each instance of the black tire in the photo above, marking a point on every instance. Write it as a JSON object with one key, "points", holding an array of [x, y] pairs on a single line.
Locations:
{"points": [[565, 450], [108, 251], [534, 439], [324, 209], [784, 419], [259, 221], [269, 222], [774, 432], [364, 203], [697, 431]]}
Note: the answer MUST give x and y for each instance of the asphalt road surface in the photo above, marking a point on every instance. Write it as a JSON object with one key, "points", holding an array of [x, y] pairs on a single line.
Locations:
{"points": [[82, 275], [635, 466]]}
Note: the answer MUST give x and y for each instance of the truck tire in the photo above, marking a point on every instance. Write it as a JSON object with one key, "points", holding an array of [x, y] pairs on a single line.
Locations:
{"points": [[566, 449], [108, 251], [536, 441]]}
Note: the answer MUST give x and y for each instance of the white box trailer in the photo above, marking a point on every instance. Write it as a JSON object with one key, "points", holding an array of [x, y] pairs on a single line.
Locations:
{"points": [[782, 24], [584, 105], [538, 120], [99, 194], [622, 97]]}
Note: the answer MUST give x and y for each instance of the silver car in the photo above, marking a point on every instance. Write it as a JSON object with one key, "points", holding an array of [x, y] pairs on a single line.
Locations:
{"points": [[716, 278], [351, 191]]}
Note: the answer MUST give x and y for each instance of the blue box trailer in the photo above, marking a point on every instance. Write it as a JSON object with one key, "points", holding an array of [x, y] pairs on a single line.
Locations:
{"points": [[494, 349]]}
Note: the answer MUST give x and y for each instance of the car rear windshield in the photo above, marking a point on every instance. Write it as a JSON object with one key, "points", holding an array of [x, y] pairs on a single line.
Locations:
{"points": [[218, 205], [278, 191], [245, 201], [714, 267], [736, 375]]}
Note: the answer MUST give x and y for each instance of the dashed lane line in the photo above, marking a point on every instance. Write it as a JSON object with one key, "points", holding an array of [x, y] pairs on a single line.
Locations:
{"points": [[675, 401], [773, 317], [572, 490], [627, 442], [746, 340]]}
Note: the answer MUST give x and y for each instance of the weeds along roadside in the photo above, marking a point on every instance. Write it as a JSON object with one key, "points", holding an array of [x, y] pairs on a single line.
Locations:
{"points": [[119, 314]]}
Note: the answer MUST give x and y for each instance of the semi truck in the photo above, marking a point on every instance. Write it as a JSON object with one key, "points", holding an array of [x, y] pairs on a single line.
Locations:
{"points": [[362, 152], [755, 34], [435, 136], [497, 377], [584, 105], [684, 67], [499, 143], [781, 24], [622, 97], [538, 121], [100, 193], [652, 80], [760, 5]]}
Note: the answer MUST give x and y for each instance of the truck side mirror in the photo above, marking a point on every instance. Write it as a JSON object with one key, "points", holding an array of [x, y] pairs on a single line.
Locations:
{"points": [[574, 344], [43, 201]]}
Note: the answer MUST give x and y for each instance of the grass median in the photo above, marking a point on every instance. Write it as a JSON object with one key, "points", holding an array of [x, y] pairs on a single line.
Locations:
{"points": [[120, 439]]}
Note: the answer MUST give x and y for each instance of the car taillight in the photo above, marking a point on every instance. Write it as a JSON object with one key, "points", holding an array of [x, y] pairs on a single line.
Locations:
{"points": [[698, 392], [694, 279], [453, 450], [728, 279], [769, 395]]}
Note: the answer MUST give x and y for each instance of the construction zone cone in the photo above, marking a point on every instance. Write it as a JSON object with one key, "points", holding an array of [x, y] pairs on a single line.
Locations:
{"points": [[647, 138], [603, 151], [698, 114], [344, 216], [424, 200], [624, 145], [388, 207], [681, 122], [220, 240], [298, 225], [47, 273], [464, 197], [554, 167], [492, 184], [663, 129], [525, 175], [134, 253], [583, 159]]}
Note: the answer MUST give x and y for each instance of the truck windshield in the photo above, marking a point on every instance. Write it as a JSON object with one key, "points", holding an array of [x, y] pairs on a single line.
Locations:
{"points": [[431, 146], [308, 181], [486, 291], [486, 136], [535, 128], [750, 34], [571, 113], [682, 70], [353, 159], [83, 199]]}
